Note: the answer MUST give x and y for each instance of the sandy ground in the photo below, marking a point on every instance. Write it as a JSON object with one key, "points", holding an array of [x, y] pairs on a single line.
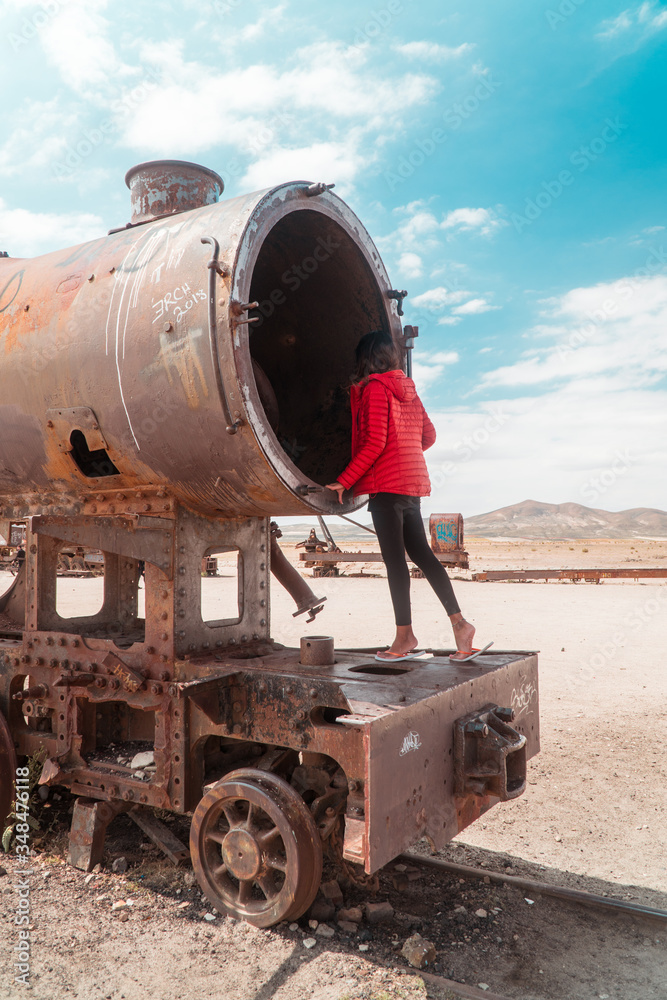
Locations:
{"points": [[597, 799], [596, 804]]}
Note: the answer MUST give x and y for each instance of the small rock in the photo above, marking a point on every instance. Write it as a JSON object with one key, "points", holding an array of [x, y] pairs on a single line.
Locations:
{"points": [[400, 868], [189, 879], [322, 910], [119, 905], [364, 934], [144, 759], [484, 986], [323, 930], [119, 866], [294, 927], [3, 871], [364, 947], [558, 838], [418, 952], [97, 868], [89, 878], [529, 901], [123, 915], [43, 792], [139, 774], [354, 914], [400, 882], [210, 917], [348, 926], [333, 892], [486, 880], [481, 912], [309, 942], [183, 906], [378, 913], [460, 909], [313, 924]]}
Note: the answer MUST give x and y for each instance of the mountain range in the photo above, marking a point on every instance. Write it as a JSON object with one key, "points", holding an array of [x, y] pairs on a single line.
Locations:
{"points": [[528, 519], [534, 519]]}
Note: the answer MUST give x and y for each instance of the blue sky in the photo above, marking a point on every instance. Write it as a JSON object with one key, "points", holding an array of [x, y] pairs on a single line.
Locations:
{"points": [[509, 161]]}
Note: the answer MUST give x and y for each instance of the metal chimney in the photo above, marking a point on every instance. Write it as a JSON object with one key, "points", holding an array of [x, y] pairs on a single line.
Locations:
{"points": [[161, 188]]}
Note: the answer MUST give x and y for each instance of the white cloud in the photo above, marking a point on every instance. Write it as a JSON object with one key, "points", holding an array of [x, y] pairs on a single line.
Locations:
{"points": [[411, 265], [269, 19], [636, 25], [449, 320], [437, 298], [428, 368], [474, 307], [326, 79], [616, 330], [330, 162], [433, 51], [467, 219], [591, 443], [29, 234]]}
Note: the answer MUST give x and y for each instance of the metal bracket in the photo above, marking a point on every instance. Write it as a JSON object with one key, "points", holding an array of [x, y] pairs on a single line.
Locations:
{"points": [[232, 426], [398, 296], [489, 756]]}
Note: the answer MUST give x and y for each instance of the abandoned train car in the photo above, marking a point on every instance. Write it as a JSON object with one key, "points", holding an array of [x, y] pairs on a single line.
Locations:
{"points": [[164, 391]]}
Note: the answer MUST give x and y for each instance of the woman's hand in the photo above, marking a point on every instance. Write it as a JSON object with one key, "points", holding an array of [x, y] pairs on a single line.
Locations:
{"points": [[337, 488]]}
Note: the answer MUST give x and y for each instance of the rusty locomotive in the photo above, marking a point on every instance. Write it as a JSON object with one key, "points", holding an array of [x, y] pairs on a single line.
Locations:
{"points": [[164, 391]]}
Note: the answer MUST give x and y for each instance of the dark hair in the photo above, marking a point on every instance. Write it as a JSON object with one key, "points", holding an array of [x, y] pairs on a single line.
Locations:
{"points": [[376, 352]]}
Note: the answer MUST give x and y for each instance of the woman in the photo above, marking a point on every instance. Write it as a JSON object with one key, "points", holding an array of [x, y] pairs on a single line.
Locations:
{"points": [[390, 431]]}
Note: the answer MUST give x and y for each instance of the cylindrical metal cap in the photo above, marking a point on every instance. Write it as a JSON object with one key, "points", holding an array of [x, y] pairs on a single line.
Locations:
{"points": [[167, 187], [317, 651]]}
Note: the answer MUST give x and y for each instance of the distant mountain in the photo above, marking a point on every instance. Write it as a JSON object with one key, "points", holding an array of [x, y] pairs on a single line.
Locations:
{"points": [[532, 519]]}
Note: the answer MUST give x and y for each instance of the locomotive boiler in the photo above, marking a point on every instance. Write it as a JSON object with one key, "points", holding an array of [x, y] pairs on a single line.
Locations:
{"points": [[164, 391]]}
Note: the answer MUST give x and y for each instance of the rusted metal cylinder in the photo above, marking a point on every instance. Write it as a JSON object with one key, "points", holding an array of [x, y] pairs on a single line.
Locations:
{"points": [[167, 187], [205, 354], [317, 651]]}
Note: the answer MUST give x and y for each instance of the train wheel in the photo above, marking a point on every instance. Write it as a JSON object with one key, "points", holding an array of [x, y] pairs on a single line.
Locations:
{"points": [[255, 848], [7, 771]]}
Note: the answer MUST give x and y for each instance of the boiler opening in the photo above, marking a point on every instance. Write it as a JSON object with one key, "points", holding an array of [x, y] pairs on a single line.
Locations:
{"points": [[317, 297]]}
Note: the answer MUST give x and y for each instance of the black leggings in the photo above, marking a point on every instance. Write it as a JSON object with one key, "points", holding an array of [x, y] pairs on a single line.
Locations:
{"points": [[400, 529]]}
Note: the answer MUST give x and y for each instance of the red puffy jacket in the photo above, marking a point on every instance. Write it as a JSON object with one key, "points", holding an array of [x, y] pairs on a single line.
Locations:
{"points": [[390, 432]]}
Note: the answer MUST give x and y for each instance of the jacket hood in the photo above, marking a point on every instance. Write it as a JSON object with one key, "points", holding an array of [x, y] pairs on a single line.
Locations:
{"points": [[398, 383]]}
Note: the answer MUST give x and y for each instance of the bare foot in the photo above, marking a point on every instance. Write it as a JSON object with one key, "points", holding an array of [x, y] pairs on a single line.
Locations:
{"points": [[463, 633]]}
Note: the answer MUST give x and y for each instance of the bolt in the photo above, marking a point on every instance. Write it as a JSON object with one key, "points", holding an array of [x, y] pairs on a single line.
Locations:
{"points": [[237, 706], [156, 689], [353, 785], [100, 682], [164, 675], [128, 795], [330, 811], [313, 692], [62, 641], [237, 730], [173, 691]]}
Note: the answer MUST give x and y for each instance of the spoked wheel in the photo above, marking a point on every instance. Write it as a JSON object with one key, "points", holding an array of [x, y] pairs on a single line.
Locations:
{"points": [[7, 771], [255, 848]]}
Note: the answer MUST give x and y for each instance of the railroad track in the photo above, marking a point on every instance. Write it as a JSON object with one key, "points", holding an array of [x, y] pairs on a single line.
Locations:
{"points": [[577, 897]]}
